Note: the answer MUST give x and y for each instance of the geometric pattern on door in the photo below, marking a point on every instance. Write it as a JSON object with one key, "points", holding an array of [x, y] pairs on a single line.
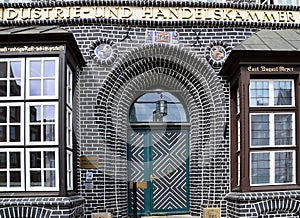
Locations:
{"points": [[163, 156], [170, 156]]}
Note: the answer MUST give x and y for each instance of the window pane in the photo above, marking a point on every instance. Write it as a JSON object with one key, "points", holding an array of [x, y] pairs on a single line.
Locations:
{"points": [[35, 87], [15, 160], [35, 113], [49, 113], [283, 129], [283, 93], [35, 133], [3, 133], [49, 178], [3, 114], [49, 159], [284, 167], [49, 68], [260, 168], [35, 178], [49, 132], [15, 114], [3, 179], [35, 68], [15, 69], [14, 133], [15, 179], [3, 69], [259, 93], [260, 130], [49, 87], [15, 88], [3, 88], [3, 160], [35, 159]]}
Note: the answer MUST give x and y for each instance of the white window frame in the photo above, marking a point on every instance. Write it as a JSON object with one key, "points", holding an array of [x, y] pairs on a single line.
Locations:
{"points": [[272, 168], [21, 124], [272, 131], [69, 88], [271, 92], [42, 59], [42, 169], [42, 142], [8, 79], [7, 151], [69, 128], [70, 172]]}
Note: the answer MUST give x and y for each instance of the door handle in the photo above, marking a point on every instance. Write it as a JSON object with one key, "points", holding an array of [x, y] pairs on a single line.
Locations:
{"points": [[152, 177]]}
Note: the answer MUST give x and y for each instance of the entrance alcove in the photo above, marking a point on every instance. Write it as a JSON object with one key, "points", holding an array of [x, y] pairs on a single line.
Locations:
{"points": [[196, 85]]}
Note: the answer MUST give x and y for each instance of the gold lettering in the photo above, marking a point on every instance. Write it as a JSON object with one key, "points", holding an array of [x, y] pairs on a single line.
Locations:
{"points": [[47, 10], [173, 13], [281, 16], [59, 13], [268, 17], [218, 15], [186, 13], [99, 12], [76, 12], [290, 17], [12, 14], [113, 11], [25, 13], [252, 16], [126, 12], [36, 13], [160, 14], [147, 11], [227, 14], [253, 69], [67, 12], [238, 16]]}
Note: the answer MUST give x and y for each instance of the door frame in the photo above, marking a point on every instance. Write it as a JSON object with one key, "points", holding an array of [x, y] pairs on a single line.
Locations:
{"points": [[148, 127]]}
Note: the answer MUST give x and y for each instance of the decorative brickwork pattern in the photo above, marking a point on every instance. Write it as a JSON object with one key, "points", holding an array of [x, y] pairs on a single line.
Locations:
{"points": [[264, 204], [51, 207]]}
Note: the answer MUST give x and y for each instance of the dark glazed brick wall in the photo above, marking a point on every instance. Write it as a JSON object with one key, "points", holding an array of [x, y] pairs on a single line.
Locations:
{"points": [[209, 177]]}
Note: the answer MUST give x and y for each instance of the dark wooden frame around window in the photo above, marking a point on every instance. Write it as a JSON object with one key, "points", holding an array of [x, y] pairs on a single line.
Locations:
{"points": [[236, 68]]}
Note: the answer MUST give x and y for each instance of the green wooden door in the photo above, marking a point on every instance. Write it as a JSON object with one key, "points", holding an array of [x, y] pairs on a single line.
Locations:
{"points": [[159, 162]]}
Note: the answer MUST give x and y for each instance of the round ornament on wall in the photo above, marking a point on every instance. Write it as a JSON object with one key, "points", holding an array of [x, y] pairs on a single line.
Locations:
{"points": [[103, 52]]}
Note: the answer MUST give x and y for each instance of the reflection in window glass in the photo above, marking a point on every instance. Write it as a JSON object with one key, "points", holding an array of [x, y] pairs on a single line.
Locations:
{"points": [[145, 109], [260, 130], [284, 169], [283, 129], [260, 168], [283, 93], [259, 91]]}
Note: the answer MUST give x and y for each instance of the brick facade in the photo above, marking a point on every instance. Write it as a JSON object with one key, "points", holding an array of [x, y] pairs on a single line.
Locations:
{"points": [[107, 89]]}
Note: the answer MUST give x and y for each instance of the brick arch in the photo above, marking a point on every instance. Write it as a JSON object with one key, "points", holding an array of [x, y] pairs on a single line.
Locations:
{"points": [[290, 206], [175, 68], [21, 212]]}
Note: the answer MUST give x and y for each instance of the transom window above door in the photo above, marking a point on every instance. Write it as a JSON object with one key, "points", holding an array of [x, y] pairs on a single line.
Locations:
{"points": [[157, 106]]}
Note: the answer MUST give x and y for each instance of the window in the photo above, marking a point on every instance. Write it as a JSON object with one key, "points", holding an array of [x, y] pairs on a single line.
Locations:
{"points": [[264, 142], [42, 123], [11, 169], [70, 170], [42, 169], [11, 78], [29, 124], [69, 88], [42, 78], [11, 120], [272, 168]]}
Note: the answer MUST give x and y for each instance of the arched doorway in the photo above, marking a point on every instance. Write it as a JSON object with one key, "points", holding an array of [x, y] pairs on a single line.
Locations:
{"points": [[158, 153]]}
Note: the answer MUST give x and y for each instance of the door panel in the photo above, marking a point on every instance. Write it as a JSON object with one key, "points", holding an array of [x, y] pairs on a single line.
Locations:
{"points": [[170, 161], [161, 159]]}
